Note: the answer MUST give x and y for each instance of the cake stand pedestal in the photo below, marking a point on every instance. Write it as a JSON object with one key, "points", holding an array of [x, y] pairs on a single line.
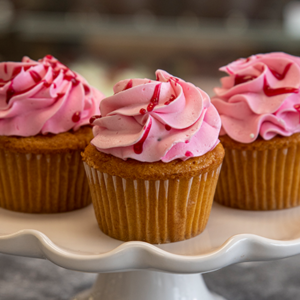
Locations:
{"points": [[141, 271]]}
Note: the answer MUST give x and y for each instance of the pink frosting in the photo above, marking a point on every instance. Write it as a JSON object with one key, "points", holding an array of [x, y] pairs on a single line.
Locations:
{"points": [[44, 96], [260, 97], [157, 120]]}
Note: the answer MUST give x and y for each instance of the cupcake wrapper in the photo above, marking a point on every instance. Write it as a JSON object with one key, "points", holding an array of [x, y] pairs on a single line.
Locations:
{"points": [[42, 183], [260, 180], [155, 211]]}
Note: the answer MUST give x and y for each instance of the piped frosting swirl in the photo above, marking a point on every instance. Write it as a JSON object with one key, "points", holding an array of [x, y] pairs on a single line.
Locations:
{"points": [[152, 120], [39, 97], [260, 97]]}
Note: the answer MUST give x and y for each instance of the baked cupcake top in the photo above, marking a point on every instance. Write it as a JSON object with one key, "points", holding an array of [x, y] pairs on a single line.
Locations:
{"points": [[40, 97], [156, 120], [260, 97]]}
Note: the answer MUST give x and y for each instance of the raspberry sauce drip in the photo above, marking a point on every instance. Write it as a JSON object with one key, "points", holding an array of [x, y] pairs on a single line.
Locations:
{"points": [[5, 68], [49, 56], [93, 118], [35, 76], [155, 98], [188, 154], [9, 93], [59, 95], [47, 84], [72, 79], [143, 111], [176, 80], [279, 91], [76, 116], [87, 90], [128, 85], [168, 127], [16, 71], [243, 78], [281, 76], [297, 107], [172, 98], [138, 147]]}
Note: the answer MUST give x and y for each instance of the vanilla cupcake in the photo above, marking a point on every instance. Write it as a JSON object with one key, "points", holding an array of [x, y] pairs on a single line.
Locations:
{"points": [[259, 105], [154, 161], [44, 125]]}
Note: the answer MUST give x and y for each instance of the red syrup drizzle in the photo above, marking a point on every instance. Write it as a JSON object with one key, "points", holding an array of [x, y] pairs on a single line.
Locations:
{"points": [[176, 80], [35, 76], [155, 98], [143, 111], [72, 79], [5, 68], [138, 147], [297, 107], [48, 56], [128, 85], [281, 76], [168, 127], [87, 90], [47, 84], [59, 95], [76, 116], [243, 78], [279, 91], [11, 92], [93, 118], [172, 98], [188, 154]]}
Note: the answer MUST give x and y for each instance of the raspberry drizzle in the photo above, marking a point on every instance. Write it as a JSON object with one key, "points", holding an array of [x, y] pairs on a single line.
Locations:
{"points": [[281, 76], [155, 98], [239, 79], [279, 91], [128, 85], [76, 116], [138, 147]]}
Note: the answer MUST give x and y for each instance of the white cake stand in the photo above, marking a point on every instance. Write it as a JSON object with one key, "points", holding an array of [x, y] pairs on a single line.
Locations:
{"points": [[156, 272]]}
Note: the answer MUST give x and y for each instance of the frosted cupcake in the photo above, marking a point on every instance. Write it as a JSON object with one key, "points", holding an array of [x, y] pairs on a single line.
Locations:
{"points": [[44, 125], [259, 105], [154, 161]]}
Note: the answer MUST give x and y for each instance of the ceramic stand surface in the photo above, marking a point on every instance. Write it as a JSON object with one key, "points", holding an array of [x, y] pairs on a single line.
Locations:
{"points": [[141, 271], [148, 285]]}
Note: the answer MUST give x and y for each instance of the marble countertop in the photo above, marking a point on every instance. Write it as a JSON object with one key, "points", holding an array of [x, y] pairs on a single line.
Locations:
{"points": [[35, 279]]}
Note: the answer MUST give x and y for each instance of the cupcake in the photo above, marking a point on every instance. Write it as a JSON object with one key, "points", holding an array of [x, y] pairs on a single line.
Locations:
{"points": [[259, 105], [154, 161], [44, 125]]}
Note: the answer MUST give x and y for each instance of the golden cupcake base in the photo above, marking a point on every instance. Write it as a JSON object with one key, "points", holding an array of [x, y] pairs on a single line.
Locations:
{"points": [[42, 183], [44, 173], [155, 211], [264, 175]]}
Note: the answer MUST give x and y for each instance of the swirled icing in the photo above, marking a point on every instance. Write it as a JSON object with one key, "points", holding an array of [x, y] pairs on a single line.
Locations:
{"points": [[151, 120], [44, 97], [260, 97]]}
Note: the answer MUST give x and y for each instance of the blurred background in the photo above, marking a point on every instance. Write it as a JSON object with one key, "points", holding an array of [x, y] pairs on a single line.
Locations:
{"points": [[110, 40]]}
